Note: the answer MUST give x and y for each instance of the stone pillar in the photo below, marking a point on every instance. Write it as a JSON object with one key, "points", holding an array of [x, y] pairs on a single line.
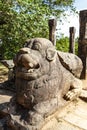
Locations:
{"points": [[72, 31], [82, 49], [52, 30]]}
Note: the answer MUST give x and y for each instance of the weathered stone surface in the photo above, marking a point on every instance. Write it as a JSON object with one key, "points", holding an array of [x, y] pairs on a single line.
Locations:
{"points": [[5, 96], [8, 63], [71, 62], [43, 84], [82, 48], [1, 126], [72, 117], [8, 85], [59, 124]]}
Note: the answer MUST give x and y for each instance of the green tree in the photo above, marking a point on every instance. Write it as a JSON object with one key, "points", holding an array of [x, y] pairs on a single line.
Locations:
{"points": [[62, 44], [23, 19]]}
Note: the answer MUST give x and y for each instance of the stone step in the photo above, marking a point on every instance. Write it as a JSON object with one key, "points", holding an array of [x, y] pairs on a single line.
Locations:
{"points": [[72, 117], [60, 124], [78, 116]]}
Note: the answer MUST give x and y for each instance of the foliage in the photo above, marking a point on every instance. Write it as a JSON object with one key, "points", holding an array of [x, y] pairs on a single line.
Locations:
{"points": [[63, 44], [23, 19]]}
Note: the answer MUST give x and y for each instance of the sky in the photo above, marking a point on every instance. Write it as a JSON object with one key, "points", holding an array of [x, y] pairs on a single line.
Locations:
{"points": [[72, 20]]}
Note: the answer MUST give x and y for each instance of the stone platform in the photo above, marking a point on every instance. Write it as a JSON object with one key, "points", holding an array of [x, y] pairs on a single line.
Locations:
{"points": [[72, 117]]}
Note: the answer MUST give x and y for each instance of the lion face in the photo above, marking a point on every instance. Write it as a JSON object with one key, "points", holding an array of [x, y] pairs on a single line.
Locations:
{"points": [[32, 61]]}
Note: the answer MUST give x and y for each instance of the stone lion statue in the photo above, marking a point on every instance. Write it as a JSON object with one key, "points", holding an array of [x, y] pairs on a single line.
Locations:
{"points": [[45, 80]]}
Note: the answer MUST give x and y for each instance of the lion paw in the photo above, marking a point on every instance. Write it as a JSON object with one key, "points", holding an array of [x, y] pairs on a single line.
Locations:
{"points": [[72, 94]]}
